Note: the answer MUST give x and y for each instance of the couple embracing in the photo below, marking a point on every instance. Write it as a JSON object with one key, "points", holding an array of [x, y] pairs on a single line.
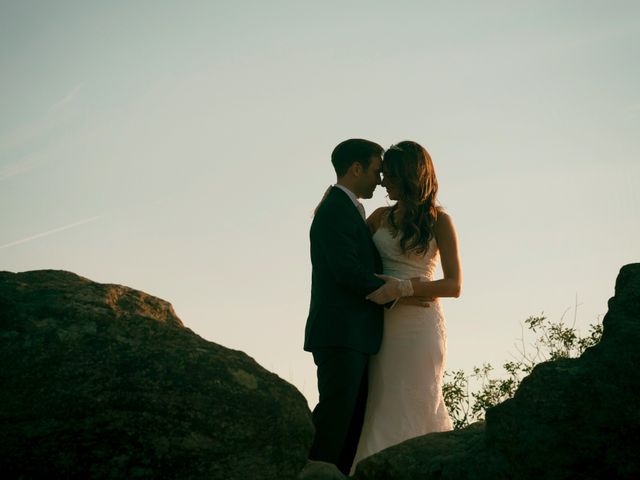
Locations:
{"points": [[375, 326]]}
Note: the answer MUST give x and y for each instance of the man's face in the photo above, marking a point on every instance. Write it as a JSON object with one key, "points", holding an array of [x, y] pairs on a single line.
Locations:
{"points": [[370, 178]]}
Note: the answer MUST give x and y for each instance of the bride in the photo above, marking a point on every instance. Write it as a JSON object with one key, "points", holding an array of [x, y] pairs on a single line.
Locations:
{"points": [[405, 377]]}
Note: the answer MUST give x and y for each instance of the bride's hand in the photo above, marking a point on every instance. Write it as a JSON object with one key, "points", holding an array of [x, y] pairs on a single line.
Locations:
{"points": [[392, 289]]}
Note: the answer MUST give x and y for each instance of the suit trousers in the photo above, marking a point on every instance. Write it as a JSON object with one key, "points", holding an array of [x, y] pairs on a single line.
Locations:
{"points": [[339, 415]]}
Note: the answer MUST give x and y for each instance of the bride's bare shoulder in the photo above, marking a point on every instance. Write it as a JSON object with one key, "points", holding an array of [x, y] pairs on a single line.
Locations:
{"points": [[375, 219], [444, 222], [442, 215]]}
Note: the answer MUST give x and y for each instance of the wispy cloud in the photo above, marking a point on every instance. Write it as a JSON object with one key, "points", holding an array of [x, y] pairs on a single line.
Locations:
{"points": [[16, 168], [67, 98], [38, 127], [633, 108], [25, 136], [50, 232]]}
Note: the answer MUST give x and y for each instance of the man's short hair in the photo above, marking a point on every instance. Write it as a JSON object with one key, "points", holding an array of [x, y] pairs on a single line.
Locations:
{"points": [[351, 151]]}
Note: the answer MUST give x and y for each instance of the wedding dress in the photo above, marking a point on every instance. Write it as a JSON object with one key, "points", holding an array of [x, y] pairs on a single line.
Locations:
{"points": [[405, 377]]}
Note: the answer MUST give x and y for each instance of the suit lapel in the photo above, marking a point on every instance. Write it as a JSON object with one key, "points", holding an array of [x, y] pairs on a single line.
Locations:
{"points": [[344, 198], [341, 193]]}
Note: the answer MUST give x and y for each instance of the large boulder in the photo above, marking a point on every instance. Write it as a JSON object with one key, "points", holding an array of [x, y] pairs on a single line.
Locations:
{"points": [[103, 381], [569, 419]]}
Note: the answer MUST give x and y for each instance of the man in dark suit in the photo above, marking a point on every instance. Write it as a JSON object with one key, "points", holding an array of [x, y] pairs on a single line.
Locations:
{"points": [[343, 328]]}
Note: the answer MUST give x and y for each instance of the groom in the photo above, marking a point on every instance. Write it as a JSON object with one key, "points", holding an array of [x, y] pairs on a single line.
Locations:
{"points": [[343, 329]]}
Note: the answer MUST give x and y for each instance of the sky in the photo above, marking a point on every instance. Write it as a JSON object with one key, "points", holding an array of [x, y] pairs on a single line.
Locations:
{"points": [[180, 148]]}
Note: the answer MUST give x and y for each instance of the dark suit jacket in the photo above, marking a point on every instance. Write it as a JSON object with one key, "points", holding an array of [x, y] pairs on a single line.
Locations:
{"points": [[344, 260]]}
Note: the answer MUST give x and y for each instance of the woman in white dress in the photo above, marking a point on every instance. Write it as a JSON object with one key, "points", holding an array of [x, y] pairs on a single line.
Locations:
{"points": [[405, 377]]}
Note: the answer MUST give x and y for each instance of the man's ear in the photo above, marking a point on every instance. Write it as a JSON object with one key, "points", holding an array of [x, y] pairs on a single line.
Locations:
{"points": [[356, 169]]}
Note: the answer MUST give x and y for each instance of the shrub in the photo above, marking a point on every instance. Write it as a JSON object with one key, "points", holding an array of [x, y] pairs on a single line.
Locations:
{"points": [[552, 341]]}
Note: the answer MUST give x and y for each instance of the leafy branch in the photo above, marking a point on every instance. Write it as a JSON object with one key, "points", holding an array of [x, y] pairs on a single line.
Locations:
{"points": [[552, 340]]}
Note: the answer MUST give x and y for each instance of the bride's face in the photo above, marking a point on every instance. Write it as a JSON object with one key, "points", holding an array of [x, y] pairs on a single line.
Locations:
{"points": [[390, 184]]}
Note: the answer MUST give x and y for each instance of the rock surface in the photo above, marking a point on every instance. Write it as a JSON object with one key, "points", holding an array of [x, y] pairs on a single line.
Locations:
{"points": [[569, 419], [103, 381], [316, 470]]}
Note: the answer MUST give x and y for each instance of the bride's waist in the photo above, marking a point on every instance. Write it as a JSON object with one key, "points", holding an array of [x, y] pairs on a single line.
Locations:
{"points": [[406, 273], [403, 314]]}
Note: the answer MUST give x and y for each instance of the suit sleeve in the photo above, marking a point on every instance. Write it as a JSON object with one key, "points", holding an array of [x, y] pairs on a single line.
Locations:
{"points": [[337, 239]]}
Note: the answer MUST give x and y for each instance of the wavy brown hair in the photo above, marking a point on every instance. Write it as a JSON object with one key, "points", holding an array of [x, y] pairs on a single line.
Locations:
{"points": [[408, 165]]}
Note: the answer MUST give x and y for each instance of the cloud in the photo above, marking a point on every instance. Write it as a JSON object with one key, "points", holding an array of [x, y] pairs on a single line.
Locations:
{"points": [[67, 98], [50, 232], [16, 169], [52, 117], [633, 108], [11, 143]]}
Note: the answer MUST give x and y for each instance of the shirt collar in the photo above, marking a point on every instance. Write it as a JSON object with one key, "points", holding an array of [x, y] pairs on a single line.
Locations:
{"points": [[355, 201], [351, 195]]}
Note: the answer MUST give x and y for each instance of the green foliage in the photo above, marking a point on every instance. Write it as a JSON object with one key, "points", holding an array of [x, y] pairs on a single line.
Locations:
{"points": [[552, 341]]}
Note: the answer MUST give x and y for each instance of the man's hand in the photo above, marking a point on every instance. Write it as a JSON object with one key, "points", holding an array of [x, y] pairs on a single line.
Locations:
{"points": [[392, 289]]}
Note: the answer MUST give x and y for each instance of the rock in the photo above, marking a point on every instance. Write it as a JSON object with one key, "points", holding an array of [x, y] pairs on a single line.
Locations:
{"points": [[103, 381], [569, 419], [456, 455], [315, 470]]}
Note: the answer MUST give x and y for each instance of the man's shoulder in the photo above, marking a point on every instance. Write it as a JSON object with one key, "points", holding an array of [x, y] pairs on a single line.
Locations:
{"points": [[337, 194], [334, 201], [334, 213]]}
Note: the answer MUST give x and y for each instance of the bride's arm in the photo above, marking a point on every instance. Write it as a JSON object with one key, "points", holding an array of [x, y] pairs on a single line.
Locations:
{"points": [[451, 284]]}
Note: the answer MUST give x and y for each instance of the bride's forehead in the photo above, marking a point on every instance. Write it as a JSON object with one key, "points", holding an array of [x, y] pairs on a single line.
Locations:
{"points": [[386, 166]]}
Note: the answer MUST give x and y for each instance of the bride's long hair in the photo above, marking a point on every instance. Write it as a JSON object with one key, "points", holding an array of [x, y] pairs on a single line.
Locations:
{"points": [[408, 165]]}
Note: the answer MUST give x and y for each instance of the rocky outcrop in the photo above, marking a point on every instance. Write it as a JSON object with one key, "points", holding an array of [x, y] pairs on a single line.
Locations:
{"points": [[569, 419], [103, 381]]}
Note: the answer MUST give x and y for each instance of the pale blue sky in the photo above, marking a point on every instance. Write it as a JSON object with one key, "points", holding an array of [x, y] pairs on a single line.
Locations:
{"points": [[185, 145]]}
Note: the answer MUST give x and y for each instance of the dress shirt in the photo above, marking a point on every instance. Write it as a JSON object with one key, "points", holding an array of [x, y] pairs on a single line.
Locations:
{"points": [[354, 199]]}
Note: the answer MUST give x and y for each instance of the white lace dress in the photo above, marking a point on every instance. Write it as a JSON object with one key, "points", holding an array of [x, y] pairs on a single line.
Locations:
{"points": [[405, 376]]}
